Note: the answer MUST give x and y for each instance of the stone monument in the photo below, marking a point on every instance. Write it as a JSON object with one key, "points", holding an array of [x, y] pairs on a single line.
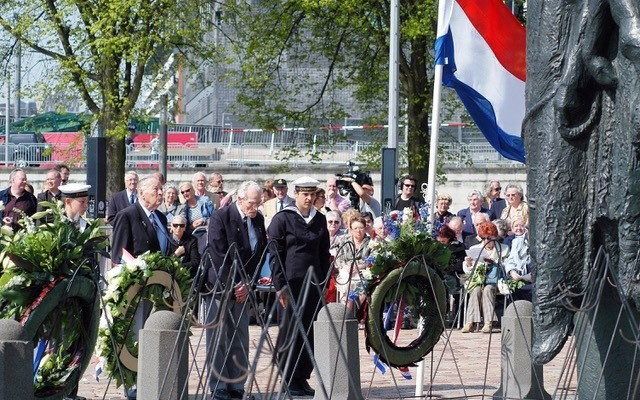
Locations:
{"points": [[582, 137]]}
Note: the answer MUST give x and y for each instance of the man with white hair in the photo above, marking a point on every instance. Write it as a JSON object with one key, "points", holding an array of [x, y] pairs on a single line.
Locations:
{"points": [[140, 227], [475, 199], [238, 230], [477, 219], [456, 224], [124, 198]]}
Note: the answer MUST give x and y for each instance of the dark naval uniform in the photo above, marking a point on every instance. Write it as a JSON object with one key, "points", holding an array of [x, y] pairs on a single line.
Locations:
{"points": [[302, 243]]}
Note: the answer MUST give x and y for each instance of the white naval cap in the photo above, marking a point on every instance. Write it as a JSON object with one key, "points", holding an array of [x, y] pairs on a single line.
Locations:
{"points": [[305, 184], [74, 190]]}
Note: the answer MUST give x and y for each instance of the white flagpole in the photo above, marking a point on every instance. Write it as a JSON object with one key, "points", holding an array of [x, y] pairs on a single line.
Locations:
{"points": [[433, 156]]}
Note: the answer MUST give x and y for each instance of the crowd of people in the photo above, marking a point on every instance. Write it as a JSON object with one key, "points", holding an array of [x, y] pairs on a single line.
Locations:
{"points": [[311, 227]]}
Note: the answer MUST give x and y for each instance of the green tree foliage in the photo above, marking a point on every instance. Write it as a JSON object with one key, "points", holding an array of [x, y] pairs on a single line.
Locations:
{"points": [[105, 49], [279, 43]]}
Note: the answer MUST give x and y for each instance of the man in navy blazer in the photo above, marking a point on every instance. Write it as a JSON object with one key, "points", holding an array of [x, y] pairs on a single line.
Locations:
{"points": [[124, 198], [475, 199], [136, 229], [241, 224]]}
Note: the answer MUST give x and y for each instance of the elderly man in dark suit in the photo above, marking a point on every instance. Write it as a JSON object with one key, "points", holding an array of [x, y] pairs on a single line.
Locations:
{"points": [[237, 227], [140, 227], [124, 198]]}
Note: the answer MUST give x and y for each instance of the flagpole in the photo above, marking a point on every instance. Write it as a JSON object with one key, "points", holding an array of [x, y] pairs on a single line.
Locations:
{"points": [[433, 156]]}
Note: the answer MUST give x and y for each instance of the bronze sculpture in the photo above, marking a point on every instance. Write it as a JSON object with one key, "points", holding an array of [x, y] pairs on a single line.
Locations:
{"points": [[582, 136]]}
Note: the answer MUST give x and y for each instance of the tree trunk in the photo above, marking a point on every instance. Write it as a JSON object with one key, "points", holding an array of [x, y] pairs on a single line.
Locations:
{"points": [[115, 153], [115, 165], [419, 91]]}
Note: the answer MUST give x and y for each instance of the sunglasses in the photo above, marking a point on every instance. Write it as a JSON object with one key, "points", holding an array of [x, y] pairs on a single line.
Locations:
{"points": [[408, 185], [185, 191], [497, 189], [179, 225], [333, 222]]}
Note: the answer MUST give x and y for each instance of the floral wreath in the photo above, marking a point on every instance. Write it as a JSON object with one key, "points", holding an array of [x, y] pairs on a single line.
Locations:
{"points": [[162, 281], [48, 284], [408, 267]]}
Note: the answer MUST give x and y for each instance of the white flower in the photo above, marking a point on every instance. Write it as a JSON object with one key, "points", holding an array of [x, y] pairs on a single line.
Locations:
{"points": [[16, 281], [503, 287], [366, 274], [407, 214], [1, 205], [135, 265]]}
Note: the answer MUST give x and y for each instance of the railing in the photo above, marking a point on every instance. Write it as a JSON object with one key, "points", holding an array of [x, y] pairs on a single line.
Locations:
{"points": [[251, 150]]}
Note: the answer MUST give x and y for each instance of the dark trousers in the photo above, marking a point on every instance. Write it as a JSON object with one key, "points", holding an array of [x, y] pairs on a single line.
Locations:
{"points": [[299, 359]]}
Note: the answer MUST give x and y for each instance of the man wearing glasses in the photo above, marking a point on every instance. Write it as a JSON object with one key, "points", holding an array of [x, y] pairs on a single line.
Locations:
{"points": [[238, 230], [493, 201], [407, 198]]}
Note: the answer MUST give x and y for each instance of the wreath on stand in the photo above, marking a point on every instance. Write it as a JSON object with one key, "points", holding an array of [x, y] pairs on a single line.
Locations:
{"points": [[406, 269], [152, 277], [48, 284]]}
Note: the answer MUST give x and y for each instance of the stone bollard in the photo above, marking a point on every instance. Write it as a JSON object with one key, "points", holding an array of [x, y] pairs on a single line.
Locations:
{"points": [[157, 361], [337, 355], [16, 362], [521, 379]]}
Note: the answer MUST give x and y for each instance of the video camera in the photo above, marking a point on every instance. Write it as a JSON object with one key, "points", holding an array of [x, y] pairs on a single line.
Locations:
{"points": [[345, 188]]}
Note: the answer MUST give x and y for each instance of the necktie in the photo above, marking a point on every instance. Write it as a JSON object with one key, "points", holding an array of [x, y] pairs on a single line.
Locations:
{"points": [[160, 233], [132, 199], [253, 239], [281, 205]]}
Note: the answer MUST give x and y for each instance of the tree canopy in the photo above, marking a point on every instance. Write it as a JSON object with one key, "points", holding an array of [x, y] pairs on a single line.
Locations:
{"points": [[298, 57], [106, 49]]}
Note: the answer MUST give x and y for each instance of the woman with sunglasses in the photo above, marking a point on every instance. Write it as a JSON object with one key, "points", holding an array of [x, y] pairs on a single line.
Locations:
{"points": [[170, 204], [186, 245], [194, 209]]}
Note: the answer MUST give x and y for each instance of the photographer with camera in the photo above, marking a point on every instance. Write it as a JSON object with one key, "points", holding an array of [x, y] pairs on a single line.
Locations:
{"points": [[367, 203]]}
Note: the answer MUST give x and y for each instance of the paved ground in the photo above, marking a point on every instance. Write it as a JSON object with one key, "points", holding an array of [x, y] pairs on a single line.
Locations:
{"points": [[470, 354]]}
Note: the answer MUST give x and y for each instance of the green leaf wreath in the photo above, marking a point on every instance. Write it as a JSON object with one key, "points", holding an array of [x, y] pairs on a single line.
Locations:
{"points": [[47, 283], [121, 308], [409, 264]]}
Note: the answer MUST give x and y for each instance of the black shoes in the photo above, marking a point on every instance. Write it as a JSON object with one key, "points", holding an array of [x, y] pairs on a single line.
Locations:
{"points": [[301, 388]]}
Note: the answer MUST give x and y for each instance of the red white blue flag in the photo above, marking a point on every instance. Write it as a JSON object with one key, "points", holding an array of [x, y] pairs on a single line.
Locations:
{"points": [[484, 59]]}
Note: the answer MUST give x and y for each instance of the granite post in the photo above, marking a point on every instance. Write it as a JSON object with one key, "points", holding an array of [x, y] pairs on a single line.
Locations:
{"points": [[335, 343], [163, 365], [520, 378], [16, 362]]}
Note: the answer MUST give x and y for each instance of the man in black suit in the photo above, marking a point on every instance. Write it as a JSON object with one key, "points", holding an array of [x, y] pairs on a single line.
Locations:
{"points": [[137, 229], [228, 344], [124, 198]]}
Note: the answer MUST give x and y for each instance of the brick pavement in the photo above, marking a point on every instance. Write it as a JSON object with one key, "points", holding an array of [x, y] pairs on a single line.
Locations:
{"points": [[469, 350]]}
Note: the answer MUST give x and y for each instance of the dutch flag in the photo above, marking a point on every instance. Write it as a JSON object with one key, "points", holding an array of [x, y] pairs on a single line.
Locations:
{"points": [[483, 55]]}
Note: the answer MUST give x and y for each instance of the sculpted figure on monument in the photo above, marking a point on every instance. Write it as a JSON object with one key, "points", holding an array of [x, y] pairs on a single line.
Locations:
{"points": [[582, 135]]}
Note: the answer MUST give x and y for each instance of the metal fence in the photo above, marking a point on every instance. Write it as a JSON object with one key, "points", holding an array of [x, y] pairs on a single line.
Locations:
{"points": [[248, 149]]}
